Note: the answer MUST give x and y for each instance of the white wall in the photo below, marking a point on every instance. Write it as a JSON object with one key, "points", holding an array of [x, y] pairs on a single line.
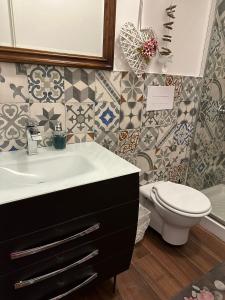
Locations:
{"points": [[189, 35], [5, 33], [71, 26]]}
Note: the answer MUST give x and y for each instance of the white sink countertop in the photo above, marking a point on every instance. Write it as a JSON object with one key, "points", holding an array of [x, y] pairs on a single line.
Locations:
{"points": [[24, 176]]}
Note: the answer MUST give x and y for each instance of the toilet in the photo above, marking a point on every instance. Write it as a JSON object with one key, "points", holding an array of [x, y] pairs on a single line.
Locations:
{"points": [[175, 208]]}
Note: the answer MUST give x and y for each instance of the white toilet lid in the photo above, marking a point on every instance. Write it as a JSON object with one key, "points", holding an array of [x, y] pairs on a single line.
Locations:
{"points": [[181, 198]]}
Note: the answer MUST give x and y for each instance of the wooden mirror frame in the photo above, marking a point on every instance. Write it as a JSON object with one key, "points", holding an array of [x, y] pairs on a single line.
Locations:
{"points": [[31, 56]]}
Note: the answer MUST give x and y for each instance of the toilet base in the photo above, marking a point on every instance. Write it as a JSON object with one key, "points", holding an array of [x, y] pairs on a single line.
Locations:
{"points": [[172, 234]]}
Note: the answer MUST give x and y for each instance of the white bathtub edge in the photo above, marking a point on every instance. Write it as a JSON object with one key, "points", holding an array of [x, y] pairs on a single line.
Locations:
{"points": [[214, 227]]}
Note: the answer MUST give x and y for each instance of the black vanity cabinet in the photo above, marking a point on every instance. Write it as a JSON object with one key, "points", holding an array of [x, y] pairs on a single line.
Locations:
{"points": [[55, 244]]}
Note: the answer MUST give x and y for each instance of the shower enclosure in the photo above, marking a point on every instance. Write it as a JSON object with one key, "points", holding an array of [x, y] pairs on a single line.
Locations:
{"points": [[207, 160]]}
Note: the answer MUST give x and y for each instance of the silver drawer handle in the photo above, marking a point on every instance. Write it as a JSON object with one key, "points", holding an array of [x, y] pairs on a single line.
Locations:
{"points": [[20, 254], [22, 284], [86, 282]]}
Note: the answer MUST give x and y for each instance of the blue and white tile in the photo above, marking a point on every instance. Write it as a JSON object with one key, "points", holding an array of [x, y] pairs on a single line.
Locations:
{"points": [[107, 116], [45, 84], [183, 133]]}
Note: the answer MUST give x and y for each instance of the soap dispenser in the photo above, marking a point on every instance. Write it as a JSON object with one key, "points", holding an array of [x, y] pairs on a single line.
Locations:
{"points": [[59, 137]]}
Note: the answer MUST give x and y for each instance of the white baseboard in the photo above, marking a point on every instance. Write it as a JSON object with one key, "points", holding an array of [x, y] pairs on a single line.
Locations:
{"points": [[214, 227]]}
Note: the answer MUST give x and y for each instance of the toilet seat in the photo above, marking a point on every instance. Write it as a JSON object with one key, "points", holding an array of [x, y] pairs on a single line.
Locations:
{"points": [[181, 199]]}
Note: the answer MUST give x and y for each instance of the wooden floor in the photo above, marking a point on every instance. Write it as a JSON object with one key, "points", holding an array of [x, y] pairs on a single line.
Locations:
{"points": [[160, 271]]}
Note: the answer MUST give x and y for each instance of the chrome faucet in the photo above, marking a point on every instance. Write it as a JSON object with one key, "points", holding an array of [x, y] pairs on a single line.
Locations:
{"points": [[221, 109], [33, 136]]}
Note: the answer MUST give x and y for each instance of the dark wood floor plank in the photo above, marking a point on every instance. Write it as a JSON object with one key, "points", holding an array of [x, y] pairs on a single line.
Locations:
{"points": [[164, 284], [174, 262], [159, 270]]}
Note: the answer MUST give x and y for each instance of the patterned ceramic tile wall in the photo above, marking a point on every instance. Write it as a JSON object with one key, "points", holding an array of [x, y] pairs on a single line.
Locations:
{"points": [[207, 163], [108, 107]]}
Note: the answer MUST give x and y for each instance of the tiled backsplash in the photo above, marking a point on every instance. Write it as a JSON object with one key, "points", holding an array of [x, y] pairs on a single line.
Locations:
{"points": [[108, 107], [207, 165]]}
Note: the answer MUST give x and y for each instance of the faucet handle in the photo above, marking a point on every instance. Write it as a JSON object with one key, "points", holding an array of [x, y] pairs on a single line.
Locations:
{"points": [[31, 122]]}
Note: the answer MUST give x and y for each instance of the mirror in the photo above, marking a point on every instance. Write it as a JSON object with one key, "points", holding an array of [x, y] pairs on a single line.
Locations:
{"points": [[61, 32]]}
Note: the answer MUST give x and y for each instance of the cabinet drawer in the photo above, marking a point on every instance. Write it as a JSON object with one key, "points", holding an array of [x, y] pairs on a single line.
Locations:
{"points": [[74, 258], [29, 249], [29, 215], [68, 281]]}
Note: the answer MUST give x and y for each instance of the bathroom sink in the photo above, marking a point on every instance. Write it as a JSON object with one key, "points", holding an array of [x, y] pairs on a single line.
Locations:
{"points": [[43, 170], [23, 176]]}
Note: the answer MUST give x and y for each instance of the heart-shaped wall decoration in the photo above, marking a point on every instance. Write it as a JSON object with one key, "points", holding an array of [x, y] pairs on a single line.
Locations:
{"points": [[132, 42]]}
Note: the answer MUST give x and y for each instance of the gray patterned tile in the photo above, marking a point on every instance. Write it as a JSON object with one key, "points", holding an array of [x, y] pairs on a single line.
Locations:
{"points": [[13, 83], [73, 138], [214, 66], [162, 158], [108, 86], [79, 85], [145, 160], [45, 84], [148, 138], [12, 145], [13, 119], [179, 154], [107, 116], [161, 174], [165, 136], [187, 111], [160, 118], [109, 140], [130, 115], [192, 88], [47, 115], [146, 177], [132, 87], [80, 118]]}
